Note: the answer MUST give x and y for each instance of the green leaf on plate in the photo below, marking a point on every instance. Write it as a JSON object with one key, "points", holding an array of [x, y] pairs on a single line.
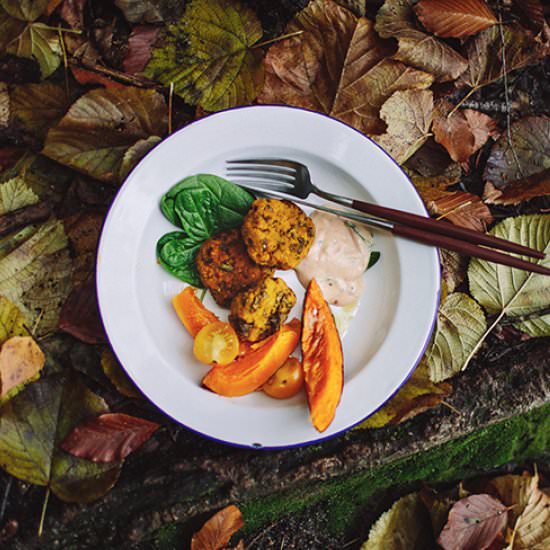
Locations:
{"points": [[36, 274], [102, 125], [176, 252], [15, 194], [26, 10], [405, 526], [373, 259], [12, 320], [198, 213], [208, 55], [33, 424], [460, 325]]}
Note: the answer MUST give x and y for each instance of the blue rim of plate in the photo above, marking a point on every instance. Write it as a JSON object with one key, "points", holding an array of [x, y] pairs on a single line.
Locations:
{"points": [[258, 446]]}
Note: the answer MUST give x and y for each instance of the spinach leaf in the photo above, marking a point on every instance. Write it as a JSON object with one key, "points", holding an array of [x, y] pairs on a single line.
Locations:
{"points": [[373, 260], [176, 252], [233, 200], [198, 213]]}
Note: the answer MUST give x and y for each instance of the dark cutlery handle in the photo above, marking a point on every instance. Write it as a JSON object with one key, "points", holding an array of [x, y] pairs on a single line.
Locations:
{"points": [[444, 228], [444, 241]]}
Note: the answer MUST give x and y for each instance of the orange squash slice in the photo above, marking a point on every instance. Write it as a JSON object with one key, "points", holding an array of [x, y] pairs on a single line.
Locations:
{"points": [[191, 311]]}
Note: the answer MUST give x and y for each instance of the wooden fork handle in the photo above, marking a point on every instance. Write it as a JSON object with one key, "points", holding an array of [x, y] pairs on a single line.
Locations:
{"points": [[444, 241], [444, 228]]}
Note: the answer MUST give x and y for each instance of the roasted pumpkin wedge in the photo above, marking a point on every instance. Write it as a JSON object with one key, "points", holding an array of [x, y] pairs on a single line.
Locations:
{"points": [[322, 358], [191, 311], [251, 370]]}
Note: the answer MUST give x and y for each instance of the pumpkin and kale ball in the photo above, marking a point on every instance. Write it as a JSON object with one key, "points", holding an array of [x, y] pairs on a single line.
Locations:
{"points": [[225, 268], [277, 233], [261, 310]]}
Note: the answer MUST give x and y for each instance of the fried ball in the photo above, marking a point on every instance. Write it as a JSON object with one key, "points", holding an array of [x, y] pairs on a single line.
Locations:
{"points": [[225, 268], [277, 233], [261, 310]]}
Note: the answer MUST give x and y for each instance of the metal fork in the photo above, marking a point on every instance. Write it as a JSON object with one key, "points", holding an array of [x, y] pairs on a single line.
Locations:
{"points": [[287, 177]]}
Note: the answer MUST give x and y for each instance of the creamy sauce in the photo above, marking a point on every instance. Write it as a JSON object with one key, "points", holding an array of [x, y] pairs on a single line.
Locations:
{"points": [[337, 259]]}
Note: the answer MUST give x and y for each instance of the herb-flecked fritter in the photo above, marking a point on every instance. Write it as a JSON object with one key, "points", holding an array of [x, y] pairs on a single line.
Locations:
{"points": [[261, 310], [277, 233], [225, 268]]}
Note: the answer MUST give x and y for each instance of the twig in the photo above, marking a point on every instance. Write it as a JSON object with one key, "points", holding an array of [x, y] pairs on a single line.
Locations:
{"points": [[451, 407], [489, 106], [37, 322], [453, 210], [506, 94], [170, 107], [279, 38], [61, 29], [43, 514], [261, 533], [5, 499], [459, 104]]}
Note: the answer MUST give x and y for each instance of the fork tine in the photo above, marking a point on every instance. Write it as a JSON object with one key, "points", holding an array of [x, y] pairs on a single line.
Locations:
{"points": [[279, 178], [263, 168], [269, 162], [255, 185]]}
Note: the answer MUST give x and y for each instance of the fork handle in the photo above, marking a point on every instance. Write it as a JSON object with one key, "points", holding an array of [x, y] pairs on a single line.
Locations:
{"points": [[444, 241], [443, 228]]}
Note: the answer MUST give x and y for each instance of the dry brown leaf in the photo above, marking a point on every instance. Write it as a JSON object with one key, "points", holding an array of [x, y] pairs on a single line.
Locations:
{"points": [[21, 361], [408, 115], [453, 268], [537, 185], [485, 54], [395, 19], [514, 491], [337, 66], [474, 523], [140, 42], [417, 395], [455, 18], [218, 530], [532, 12], [464, 132], [532, 529]]}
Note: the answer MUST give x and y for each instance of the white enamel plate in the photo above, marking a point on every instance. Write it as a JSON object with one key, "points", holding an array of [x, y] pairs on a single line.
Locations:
{"points": [[384, 340]]}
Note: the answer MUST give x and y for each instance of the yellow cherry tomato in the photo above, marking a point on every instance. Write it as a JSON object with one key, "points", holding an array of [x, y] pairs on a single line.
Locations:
{"points": [[216, 343], [287, 380]]}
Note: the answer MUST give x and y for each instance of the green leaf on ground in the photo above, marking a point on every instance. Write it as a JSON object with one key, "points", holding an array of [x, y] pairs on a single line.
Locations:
{"points": [[338, 66], [36, 275], [15, 194], [525, 154], [395, 19], [12, 320], [135, 153], [209, 56], [417, 395], [460, 325], [405, 526], [117, 375], [536, 326], [99, 128], [33, 424], [10, 29]]}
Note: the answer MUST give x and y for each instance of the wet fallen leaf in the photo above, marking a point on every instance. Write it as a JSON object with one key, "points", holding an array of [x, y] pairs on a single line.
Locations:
{"points": [[21, 361], [16, 194], [358, 7], [455, 18], [532, 12], [218, 530], [433, 161], [474, 523], [36, 107], [79, 316], [140, 41], [460, 325], [32, 425], [417, 395], [408, 115], [26, 10], [219, 66], [528, 152], [515, 192], [36, 274], [149, 11], [464, 132], [117, 375], [395, 19], [337, 66], [486, 51], [109, 437], [405, 526], [102, 125], [12, 321]]}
